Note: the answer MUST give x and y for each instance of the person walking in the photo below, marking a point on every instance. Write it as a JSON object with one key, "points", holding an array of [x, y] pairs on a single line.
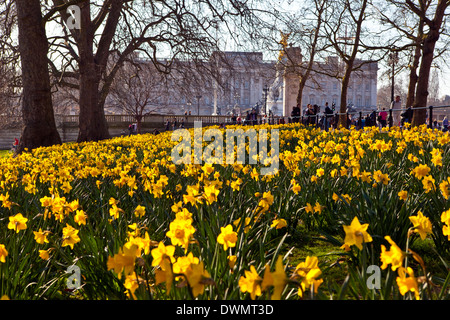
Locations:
{"points": [[445, 124], [396, 108]]}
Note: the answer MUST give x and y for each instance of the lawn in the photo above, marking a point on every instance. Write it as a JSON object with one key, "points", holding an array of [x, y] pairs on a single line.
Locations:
{"points": [[4, 153], [134, 224]]}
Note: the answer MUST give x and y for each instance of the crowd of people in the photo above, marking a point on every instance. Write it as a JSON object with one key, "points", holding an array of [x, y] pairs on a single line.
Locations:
{"points": [[312, 115], [395, 116]]}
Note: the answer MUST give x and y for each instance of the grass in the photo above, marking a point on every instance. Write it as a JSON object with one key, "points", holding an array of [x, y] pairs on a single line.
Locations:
{"points": [[4, 153]]}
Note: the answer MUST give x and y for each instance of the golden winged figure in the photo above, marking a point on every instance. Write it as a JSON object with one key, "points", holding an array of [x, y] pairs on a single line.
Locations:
{"points": [[284, 44]]}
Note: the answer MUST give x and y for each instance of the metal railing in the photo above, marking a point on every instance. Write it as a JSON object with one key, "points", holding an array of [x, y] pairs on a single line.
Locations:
{"points": [[161, 119], [335, 115]]}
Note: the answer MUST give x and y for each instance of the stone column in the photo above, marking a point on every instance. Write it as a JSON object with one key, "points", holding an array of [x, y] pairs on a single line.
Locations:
{"points": [[291, 79]]}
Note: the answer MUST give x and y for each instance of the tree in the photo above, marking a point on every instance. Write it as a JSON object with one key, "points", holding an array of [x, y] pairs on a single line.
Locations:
{"points": [[419, 25], [346, 15], [136, 90], [38, 119], [310, 32], [116, 30], [9, 75], [434, 25]]}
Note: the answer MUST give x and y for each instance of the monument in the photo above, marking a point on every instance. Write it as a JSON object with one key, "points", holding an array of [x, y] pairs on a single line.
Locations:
{"points": [[291, 81], [286, 83]]}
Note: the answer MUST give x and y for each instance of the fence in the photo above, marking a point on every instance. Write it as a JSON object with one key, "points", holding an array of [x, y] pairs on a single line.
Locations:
{"points": [[118, 124], [431, 112]]}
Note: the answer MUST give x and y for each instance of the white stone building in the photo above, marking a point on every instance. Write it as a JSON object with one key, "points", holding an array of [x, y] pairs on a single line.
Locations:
{"points": [[236, 82]]}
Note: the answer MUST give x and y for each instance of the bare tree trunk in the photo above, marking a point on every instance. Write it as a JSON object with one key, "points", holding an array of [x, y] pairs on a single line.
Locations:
{"points": [[92, 121], [300, 91], [429, 44], [37, 109], [414, 66], [343, 107], [320, 7], [413, 78], [93, 125]]}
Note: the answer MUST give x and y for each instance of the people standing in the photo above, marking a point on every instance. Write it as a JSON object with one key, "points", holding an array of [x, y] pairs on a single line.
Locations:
{"points": [[407, 116], [445, 124], [383, 115], [328, 116], [311, 119], [254, 117], [167, 124], [296, 111]]}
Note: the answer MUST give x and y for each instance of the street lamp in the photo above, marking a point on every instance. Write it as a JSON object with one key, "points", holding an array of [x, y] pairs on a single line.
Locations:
{"points": [[198, 104], [393, 59], [265, 89], [189, 104], [236, 106]]}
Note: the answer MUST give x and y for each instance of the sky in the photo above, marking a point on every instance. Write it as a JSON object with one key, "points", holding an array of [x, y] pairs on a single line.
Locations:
{"points": [[444, 81], [292, 6]]}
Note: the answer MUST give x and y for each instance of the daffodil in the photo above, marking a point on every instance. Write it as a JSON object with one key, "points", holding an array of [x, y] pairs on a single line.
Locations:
{"points": [[210, 194], [198, 277], [184, 263], [266, 201], [380, 177], [41, 236], [131, 283], [17, 222], [296, 188], [165, 274], [162, 252], [407, 282], [428, 183], [227, 237], [308, 272], [394, 256], [139, 211], [318, 208], [3, 253], [421, 171], [5, 201], [124, 260], [231, 261], [276, 279], [444, 186], [422, 224], [247, 224], [403, 195], [445, 218], [44, 254], [80, 217], [251, 283], [356, 234], [180, 232], [70, 236], [278, 223]]}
